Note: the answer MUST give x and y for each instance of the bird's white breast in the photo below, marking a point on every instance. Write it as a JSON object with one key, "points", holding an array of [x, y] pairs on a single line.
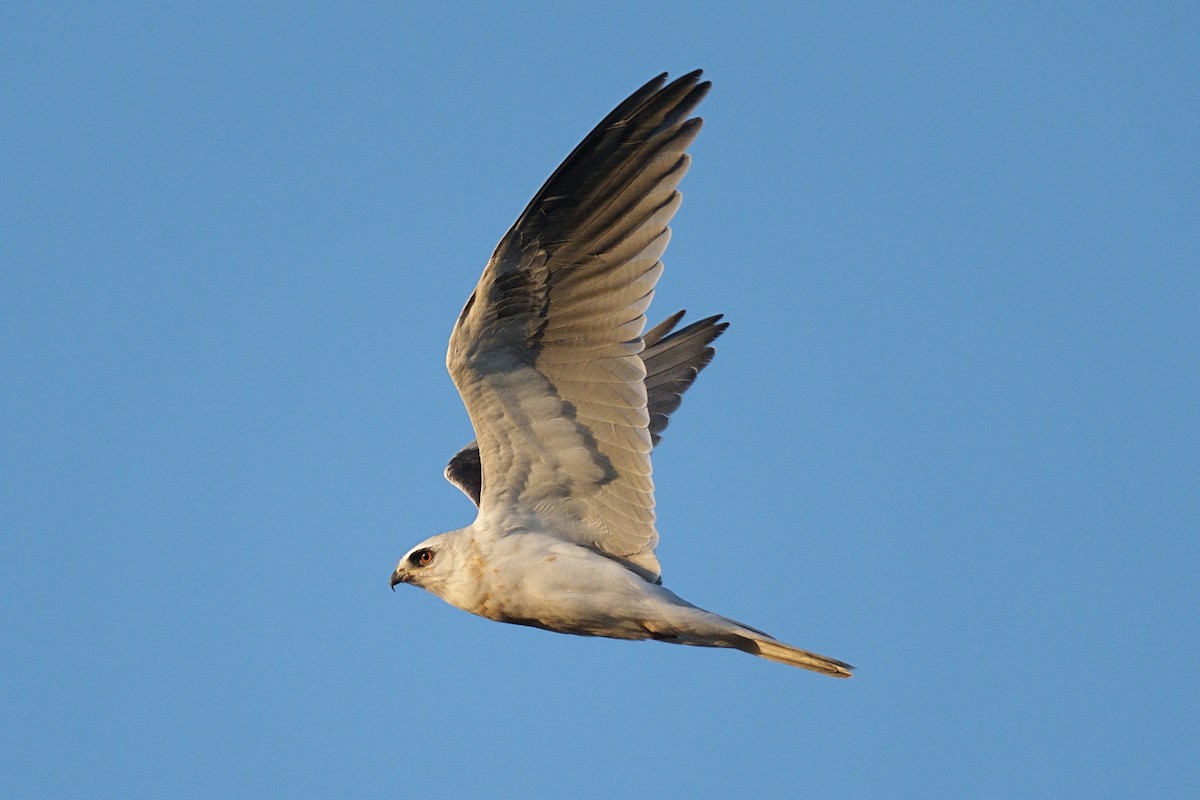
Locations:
{"points": [[541, 580]]}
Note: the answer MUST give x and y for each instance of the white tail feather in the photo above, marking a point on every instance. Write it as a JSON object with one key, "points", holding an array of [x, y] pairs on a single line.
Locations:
{"points": [[775, 650]]}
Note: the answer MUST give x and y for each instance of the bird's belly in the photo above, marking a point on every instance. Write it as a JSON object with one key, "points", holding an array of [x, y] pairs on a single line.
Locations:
{"points": [[589, 596], [578, 624]]}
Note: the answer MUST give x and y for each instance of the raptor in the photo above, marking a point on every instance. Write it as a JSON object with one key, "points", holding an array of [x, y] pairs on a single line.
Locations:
{"points": [[568, 394]]}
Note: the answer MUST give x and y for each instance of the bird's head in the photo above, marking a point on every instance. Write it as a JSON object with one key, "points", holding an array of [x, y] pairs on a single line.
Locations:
{"points": [[430, 564]]}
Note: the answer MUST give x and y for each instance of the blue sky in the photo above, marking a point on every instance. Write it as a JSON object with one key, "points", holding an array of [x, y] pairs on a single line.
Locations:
{"points": [[951, 437]]}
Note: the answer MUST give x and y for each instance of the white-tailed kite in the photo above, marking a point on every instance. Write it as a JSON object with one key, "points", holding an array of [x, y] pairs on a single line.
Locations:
{"points": [[568, 398]]}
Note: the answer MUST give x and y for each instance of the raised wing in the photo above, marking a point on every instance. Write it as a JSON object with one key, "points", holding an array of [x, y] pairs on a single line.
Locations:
{"points": [[546, 352], [673, 359]]}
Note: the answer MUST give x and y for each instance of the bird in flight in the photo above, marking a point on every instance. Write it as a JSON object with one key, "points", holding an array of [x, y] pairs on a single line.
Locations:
{"points": [[568, 396]]}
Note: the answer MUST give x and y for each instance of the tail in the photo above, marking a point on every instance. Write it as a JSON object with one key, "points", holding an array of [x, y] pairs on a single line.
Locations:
{"points": [[695, 626], [775, 650]]}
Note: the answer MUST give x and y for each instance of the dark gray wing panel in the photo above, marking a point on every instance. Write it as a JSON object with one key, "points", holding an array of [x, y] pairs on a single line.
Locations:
{"points": [[466, 471], [673, 361]]}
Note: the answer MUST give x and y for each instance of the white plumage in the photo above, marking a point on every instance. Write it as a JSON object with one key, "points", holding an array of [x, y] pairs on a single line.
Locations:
{"points": [[567, 398]]}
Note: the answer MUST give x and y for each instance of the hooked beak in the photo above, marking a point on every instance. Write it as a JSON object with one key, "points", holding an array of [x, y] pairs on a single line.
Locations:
{"points": [[398, 577]]}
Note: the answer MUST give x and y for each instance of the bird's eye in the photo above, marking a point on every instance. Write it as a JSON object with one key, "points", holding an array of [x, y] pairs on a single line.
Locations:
{"points": [[422, 558]]}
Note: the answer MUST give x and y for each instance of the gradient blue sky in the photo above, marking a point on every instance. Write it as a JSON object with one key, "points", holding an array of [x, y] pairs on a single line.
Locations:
{"points": [[951, 437]]}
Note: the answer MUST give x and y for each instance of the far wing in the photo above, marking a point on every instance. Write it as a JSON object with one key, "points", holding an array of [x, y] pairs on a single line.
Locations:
{"points": [[673, 360], [546, 352]]}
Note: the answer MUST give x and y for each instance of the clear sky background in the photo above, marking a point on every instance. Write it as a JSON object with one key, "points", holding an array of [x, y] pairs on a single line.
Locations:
{"points": [[951, 437]]}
